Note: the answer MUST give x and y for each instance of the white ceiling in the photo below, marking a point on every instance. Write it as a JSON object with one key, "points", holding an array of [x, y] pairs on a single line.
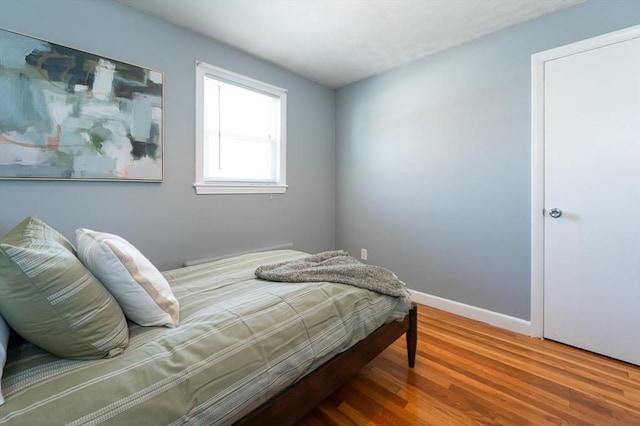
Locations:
{"points": [[337, 42]]}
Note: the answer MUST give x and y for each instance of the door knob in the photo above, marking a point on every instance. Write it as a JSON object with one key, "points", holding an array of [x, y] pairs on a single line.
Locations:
{"points": [[555, 213]]}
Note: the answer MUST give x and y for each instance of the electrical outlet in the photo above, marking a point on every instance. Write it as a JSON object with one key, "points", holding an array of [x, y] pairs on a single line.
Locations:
{"points": [[363, 254]]}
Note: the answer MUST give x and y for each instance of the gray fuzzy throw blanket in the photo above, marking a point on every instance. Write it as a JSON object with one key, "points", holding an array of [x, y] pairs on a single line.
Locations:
{"points": [[338, 267]]}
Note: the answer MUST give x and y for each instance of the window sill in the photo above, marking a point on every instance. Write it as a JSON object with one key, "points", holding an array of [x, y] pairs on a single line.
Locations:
{"points": [[209, 189]]}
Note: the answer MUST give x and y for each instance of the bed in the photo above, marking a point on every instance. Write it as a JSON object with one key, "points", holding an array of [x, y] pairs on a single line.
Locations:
{"points": [[246, 351]]}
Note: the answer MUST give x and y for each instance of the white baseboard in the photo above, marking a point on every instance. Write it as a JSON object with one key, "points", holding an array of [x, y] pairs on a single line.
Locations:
{"points": [[479, 314]]}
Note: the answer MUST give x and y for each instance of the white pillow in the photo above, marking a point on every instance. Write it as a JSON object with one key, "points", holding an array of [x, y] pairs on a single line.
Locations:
{"points": [[142, 292], [4, 340]]}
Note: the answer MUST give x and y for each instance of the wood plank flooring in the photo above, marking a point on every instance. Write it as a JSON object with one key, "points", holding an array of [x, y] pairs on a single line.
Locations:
{"points": [[470, 373]]}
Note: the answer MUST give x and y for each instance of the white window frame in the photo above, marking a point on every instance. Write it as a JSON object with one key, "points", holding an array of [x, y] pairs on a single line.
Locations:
{"points": [[203, 186]]}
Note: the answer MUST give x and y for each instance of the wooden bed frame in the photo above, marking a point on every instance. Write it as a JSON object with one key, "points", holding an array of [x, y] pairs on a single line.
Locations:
{"points": [[293, 403]]}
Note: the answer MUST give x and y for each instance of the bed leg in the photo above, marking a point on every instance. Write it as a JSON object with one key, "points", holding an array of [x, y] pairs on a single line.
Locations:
{"points": [[412, 335]]}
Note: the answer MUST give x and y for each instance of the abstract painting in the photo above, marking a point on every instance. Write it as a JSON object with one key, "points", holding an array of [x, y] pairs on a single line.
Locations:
{"points": [[69, 114]]}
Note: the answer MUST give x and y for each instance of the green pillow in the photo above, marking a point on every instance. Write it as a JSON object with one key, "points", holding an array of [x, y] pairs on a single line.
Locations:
{"points": [[52, 300]]}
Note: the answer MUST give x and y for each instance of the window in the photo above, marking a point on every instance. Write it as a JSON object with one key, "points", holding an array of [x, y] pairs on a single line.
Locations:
{"points": [[240, 134]]}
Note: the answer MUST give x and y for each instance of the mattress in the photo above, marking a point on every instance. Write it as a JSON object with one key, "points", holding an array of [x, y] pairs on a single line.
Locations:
{"points": [[241, 340]]}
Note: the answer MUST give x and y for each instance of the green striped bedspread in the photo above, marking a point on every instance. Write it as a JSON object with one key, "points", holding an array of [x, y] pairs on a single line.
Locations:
{"points": [[240, 341]]}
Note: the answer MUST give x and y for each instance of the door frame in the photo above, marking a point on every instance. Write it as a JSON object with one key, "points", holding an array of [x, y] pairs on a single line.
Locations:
{"points": [[538, 61]]}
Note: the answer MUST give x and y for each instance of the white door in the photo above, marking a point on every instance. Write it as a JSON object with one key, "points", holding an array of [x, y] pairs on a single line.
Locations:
{"points": [[592, 200]]}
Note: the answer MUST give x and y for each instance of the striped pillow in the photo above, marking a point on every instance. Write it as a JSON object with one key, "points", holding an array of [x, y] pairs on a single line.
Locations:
{"points": [[141, 290], [52, 300]]}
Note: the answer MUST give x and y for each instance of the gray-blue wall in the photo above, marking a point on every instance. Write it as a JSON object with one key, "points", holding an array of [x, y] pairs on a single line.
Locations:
{"points": [[433, 161], [167, 221]]}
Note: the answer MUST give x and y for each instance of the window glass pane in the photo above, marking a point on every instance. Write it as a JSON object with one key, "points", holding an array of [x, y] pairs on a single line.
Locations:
{"points": [[247, 160], [245, 112]]}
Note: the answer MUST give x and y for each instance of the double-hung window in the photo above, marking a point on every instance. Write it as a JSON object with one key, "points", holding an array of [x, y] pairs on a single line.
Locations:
{"points": [[240, 134]]}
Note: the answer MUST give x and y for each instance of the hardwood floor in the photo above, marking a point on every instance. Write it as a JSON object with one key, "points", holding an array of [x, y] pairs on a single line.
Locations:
{"points": [[470, 373]]}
